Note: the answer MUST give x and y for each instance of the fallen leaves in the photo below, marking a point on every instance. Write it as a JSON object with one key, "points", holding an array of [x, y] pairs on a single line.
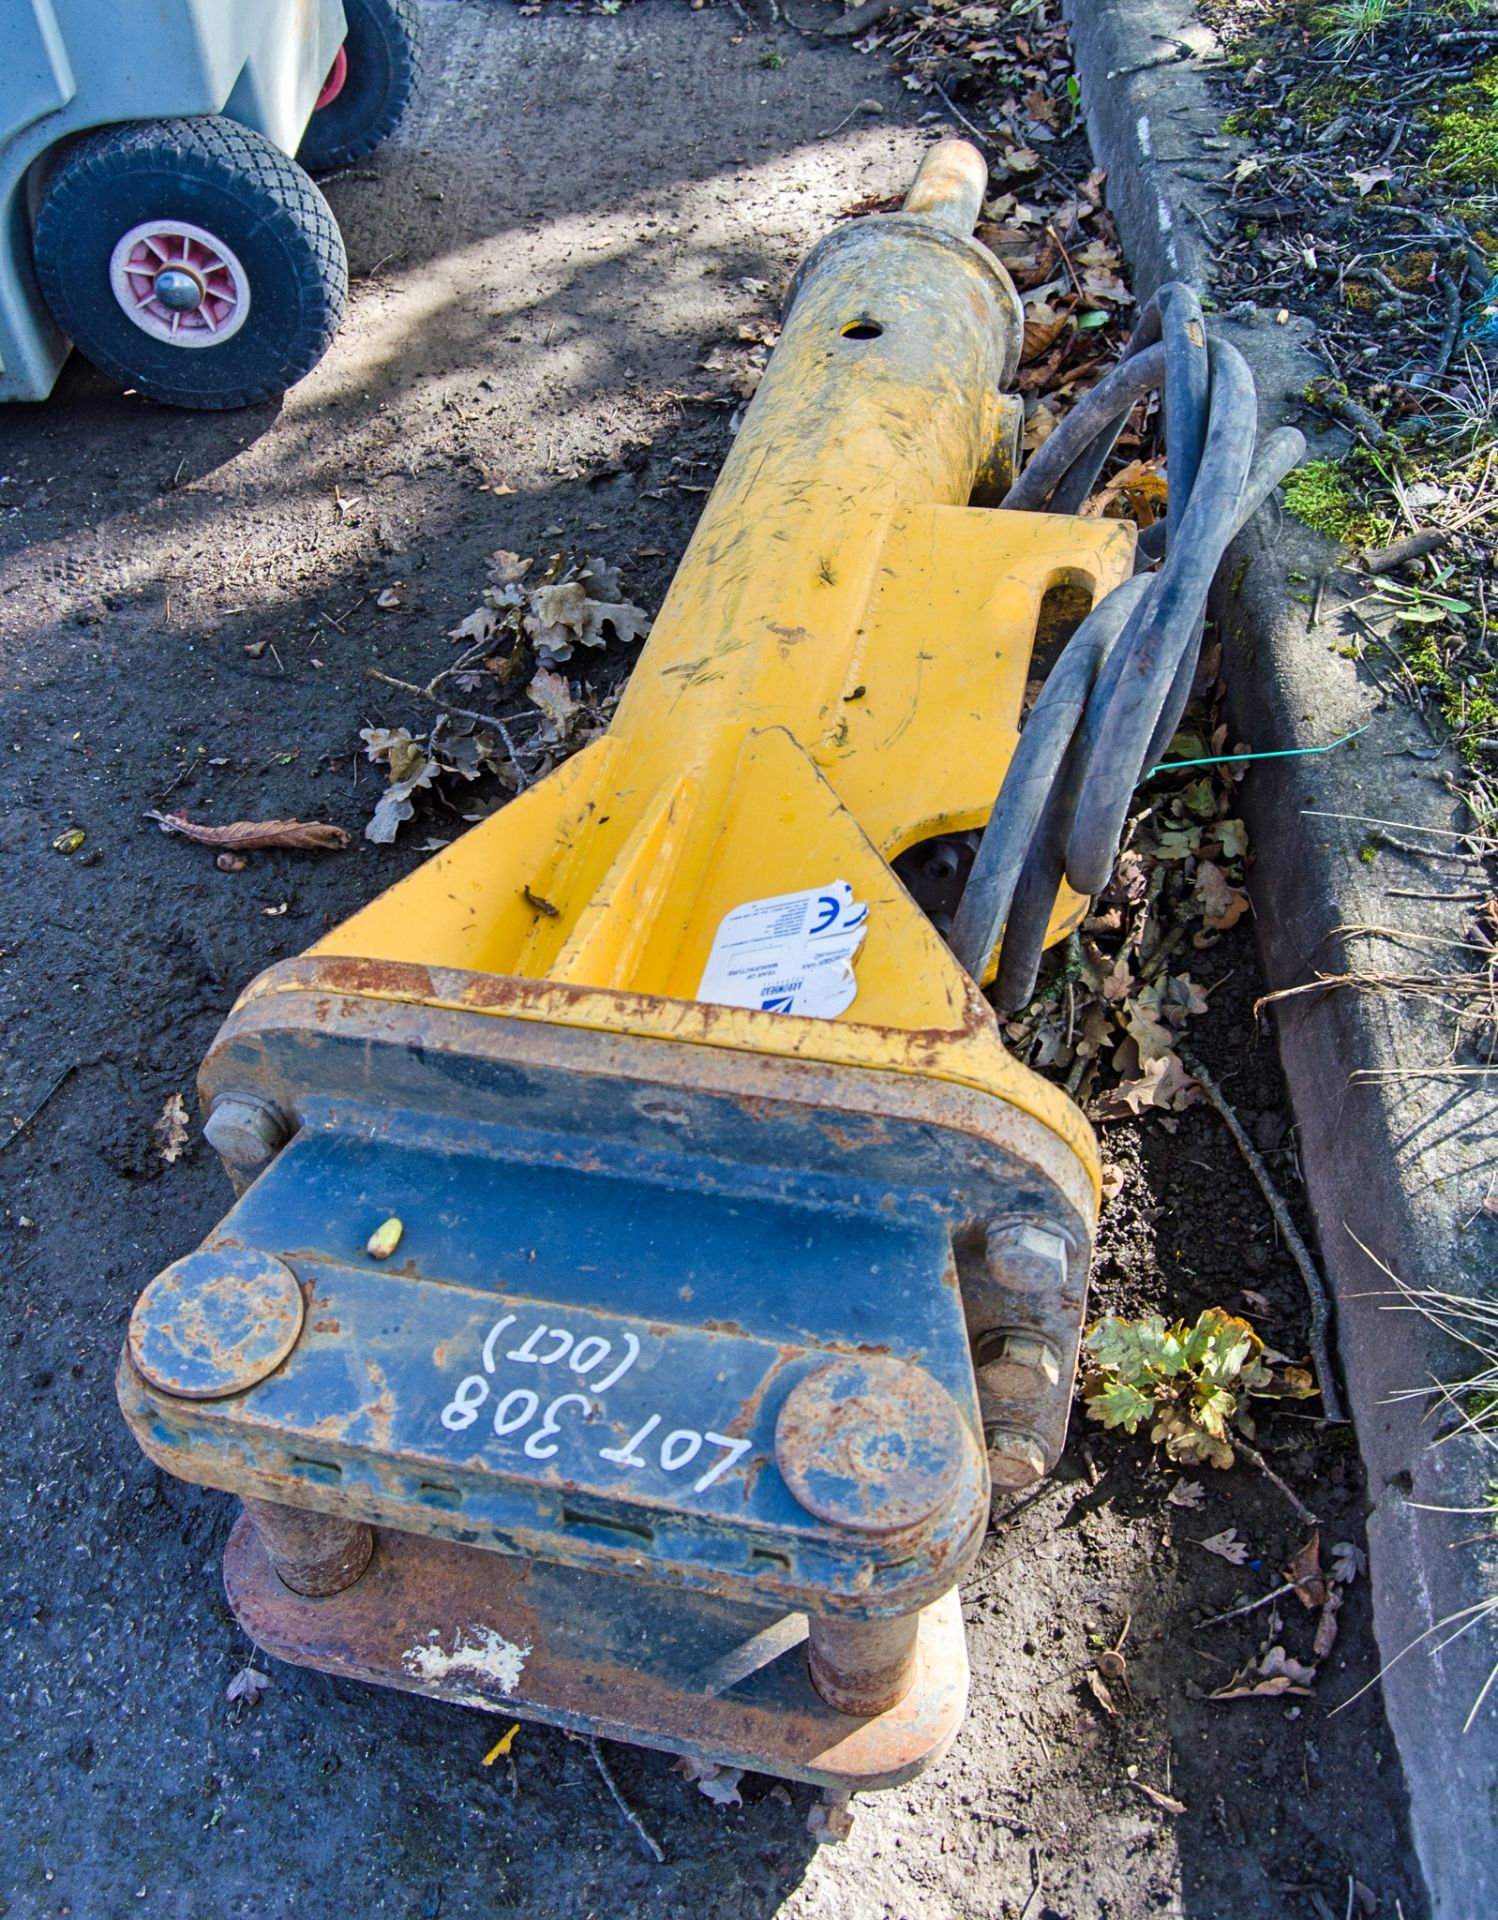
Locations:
{"points": [[1166, 1802], [718, 1783], [1113, 1013], [247, 1685], [1222, 905], [1227, 1546], [171, 1129], [558, 707], [1305, 1575], [516, 640], [242, 835], [1271, 1676], [575, 603]]}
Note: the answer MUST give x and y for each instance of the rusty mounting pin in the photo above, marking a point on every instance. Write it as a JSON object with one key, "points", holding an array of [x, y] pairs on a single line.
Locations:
{"points": [[315, 1554], [862, 1667], [871, 1445], [215, 1323], [1015, 1459], [245, 1134], [1028, 1256], [1015, 1365], [950, 186]]}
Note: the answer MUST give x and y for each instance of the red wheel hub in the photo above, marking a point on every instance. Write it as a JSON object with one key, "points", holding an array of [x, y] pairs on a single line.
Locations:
{"points": [[333, 85]]}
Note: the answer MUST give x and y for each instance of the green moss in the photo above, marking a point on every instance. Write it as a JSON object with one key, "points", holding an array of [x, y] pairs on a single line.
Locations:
{"points": [[1466, 147], [1324, 101], [1321, 495]]}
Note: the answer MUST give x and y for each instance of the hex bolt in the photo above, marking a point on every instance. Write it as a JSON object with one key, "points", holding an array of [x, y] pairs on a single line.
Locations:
{"points": [[1015, 1459], [1016, 1365], [245, 1135], [1027, 1256], [941, 862], [862, 1667], [315, 1554]]}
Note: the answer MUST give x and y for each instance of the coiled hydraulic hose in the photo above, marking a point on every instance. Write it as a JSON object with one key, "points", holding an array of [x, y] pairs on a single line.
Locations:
{"points": [[1115, 695]]}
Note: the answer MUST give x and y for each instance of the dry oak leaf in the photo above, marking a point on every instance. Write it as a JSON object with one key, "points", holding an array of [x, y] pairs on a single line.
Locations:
{"points": [[1222, 905], [1274, 1675], [1328, 1624], [1043, 326], [1163, 1083], [307, 834], [1304, 1570], [247, 1685], [1227, 1546], [553, 696], [171, 1129]]}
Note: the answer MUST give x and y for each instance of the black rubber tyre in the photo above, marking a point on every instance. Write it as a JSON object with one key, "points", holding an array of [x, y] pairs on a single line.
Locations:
{"points": [[237, 186], [383, 47]]}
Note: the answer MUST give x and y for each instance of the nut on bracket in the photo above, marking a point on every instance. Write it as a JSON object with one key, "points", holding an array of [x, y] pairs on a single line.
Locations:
{"points": [[245, 1134], [1028, 1257]]}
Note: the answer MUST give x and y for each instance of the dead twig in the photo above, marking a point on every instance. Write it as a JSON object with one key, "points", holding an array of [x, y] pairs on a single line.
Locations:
{"points": [[1413, 547], [1249, 1606], [35, 1113], [1300, 1253], [652, 1845], [466, 713], [1252, 1454]]}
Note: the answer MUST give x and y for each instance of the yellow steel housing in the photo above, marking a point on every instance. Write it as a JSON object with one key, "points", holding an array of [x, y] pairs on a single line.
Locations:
{"points": [[837, 673]]}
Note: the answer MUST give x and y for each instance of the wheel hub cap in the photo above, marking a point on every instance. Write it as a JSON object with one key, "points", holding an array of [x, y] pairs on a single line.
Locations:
{"points": [[179, 289], [179, 283]]}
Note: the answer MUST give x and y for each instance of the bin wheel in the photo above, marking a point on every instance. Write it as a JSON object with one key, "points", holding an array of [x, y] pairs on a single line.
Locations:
{"points": [[191, 260], [368, 85]]}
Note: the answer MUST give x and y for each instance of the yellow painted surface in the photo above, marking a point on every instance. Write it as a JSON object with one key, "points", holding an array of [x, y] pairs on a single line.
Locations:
{"points": [[837, 673]]}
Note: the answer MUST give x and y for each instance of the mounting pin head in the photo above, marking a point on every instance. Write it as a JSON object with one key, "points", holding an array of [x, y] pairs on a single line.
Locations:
{"points": [[215, 1323], [872, 1445]]}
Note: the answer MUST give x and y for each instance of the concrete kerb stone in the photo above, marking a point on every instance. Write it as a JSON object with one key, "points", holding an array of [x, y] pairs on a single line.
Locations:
{"points": [[1398, 1151]]}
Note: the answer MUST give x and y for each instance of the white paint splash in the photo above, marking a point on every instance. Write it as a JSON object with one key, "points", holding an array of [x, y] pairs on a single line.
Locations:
{"points": [[479, 1653]]}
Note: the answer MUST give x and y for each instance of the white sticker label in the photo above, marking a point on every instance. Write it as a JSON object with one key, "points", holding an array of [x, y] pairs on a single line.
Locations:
{"points": [[792, 954]]}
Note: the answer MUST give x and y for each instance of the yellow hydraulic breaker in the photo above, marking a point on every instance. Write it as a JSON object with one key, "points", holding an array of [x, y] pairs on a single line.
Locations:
{"points": [[737, 1257]]}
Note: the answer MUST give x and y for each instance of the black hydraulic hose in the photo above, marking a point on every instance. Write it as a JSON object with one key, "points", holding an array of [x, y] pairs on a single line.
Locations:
{"points": [[1032, 775], [1283, 450], [1034, 898], [1173, 315], [1130, 693], [1118, 392], [1115, 695]]}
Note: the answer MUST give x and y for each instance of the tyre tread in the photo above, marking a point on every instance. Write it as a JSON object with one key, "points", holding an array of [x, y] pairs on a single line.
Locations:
{"points": [[231, 156]]}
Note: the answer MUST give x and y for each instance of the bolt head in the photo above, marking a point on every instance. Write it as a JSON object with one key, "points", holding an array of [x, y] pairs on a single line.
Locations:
{"points": [[1017, 1366], [1027, 1256], [245, 1135], [1015, 1459]]}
